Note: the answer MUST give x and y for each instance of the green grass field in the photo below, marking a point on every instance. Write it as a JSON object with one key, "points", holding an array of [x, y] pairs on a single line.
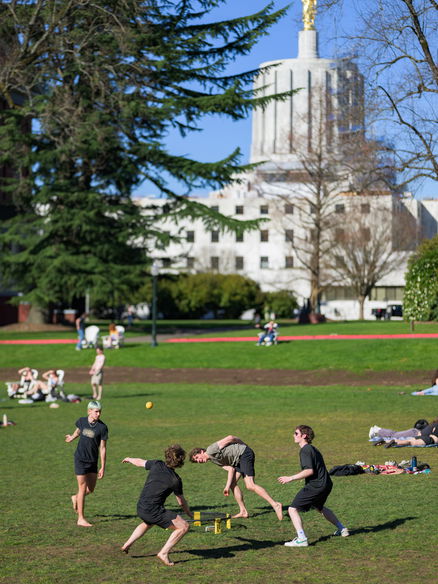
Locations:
{"points": [[391, 518]]}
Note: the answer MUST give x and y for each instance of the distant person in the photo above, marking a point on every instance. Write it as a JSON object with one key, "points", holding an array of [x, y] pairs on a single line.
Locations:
{"points": [[80, 327], [382, 433], [96, 373], [237, 458], [316, 490], [160, 483], [47, 387], [131, 315], [430, 390], [428, 437], [269, 333], [27, 380], [93, 436]]}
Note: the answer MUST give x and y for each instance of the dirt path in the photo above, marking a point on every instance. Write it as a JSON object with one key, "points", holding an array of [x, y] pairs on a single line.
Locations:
{"points": [[285, 377]]}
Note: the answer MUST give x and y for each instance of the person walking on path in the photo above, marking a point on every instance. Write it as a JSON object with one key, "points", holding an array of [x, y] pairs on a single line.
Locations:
{"points": [[316, 490], [96, 373], [80, 327], [160, 483], [237, 458], [93, 435]]}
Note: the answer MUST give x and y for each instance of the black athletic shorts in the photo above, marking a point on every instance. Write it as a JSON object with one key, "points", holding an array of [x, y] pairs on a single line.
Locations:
{"points": [[157, 516], [427, 440], [83, 467], [246, 463], [307, 499]]}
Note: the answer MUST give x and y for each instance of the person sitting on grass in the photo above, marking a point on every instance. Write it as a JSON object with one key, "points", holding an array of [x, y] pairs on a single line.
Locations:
{"points": [[316, 490], [161, 482], [269, 333], [428, 437], [237, 458]]}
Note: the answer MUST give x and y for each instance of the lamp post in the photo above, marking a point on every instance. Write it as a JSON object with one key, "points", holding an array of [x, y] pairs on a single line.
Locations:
{"points": [[154, 271]]}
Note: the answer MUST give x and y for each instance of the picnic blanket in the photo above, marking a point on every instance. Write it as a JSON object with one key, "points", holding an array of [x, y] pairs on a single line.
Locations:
{"points": [[404, 445]]}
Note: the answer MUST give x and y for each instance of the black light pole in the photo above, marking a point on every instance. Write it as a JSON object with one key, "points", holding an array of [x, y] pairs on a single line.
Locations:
{"points": [[154, 272]]}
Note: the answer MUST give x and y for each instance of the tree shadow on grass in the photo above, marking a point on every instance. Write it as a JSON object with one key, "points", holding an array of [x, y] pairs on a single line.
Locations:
{"points": [[370, 528]]}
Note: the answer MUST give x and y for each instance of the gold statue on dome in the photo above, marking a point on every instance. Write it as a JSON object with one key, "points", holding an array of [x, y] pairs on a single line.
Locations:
{"points": [[309, 13]]}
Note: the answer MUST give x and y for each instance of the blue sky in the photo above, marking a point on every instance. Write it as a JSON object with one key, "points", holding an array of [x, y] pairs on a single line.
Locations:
{"points": [[221, 136]]}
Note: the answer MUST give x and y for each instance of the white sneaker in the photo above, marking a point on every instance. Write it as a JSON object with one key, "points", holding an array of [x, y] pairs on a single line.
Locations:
{"points": [[342, 532], [297, 543], [373, 431]]}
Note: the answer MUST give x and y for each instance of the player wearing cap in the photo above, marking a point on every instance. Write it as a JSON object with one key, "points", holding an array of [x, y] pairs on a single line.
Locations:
{"points": [[93, 435]]}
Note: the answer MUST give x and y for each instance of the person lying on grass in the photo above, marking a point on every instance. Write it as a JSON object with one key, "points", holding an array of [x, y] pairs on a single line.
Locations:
{"points": [[316, 490], [429, 436], [237, 458], [160, 483]]}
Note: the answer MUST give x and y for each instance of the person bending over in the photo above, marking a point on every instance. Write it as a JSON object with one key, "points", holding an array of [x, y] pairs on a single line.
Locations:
{"points": [[237, 458], [160, 483], [316, 490]]}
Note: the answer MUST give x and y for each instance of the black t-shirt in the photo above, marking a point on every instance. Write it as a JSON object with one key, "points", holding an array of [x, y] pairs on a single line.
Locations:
{"points": [[311, 458], [429, 429], [89, 439], [161, 482]]}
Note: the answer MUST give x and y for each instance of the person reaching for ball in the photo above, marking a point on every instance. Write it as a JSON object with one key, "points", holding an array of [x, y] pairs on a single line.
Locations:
{"points": [[161, 482], [237, 458]]}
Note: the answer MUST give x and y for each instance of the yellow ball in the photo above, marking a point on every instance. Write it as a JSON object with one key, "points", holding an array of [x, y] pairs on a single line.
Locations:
{"points": [[149, 405]]}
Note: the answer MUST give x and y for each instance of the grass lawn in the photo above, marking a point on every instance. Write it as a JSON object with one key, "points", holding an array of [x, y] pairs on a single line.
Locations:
{"points": [[391, 518]]}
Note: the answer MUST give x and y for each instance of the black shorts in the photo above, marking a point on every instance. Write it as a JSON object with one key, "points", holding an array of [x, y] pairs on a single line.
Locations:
{"points": [[246, 463], [308, 498], [157, 516], [83, 467], [427, 440]]}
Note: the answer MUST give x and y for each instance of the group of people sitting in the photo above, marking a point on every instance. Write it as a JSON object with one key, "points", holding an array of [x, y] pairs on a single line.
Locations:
{"points": [[422, 434], [49, 388]]}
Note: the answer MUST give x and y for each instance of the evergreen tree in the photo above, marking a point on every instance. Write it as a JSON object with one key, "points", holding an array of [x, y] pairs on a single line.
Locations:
{"points": [[420, 299], [101, 84]]}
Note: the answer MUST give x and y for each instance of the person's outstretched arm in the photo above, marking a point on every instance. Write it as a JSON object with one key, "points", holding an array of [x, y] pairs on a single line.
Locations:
{"points": [[307, 472], [135, 461], [185, 506], [71, 437]]}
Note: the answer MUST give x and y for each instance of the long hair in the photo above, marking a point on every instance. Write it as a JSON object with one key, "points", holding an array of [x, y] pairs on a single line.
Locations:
{"points": [[174, 456]]}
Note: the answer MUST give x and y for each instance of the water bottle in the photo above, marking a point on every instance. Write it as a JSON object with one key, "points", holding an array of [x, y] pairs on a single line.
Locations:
{"points": [[414, 463]]}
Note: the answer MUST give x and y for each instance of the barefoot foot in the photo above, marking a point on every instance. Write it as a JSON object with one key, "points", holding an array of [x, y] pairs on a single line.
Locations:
{"points": [[84, 523], [242, 515], [165, 559], [278, 508], [74, 501]]}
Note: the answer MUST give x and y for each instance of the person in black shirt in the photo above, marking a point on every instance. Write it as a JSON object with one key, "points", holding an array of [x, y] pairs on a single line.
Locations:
{"points": [[93, 434], [428, 437], [161, 482], [316, 490]]}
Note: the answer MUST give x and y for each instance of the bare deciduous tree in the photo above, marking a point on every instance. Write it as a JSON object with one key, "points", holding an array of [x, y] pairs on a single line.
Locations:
{"points": [[373, 240], [398, 42]]}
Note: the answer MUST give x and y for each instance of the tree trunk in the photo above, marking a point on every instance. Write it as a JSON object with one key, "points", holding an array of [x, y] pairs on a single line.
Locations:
{"points": [[361, 301]]}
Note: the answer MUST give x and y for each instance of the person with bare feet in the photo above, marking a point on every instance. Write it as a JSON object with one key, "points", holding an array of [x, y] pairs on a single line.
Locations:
{"points": [[93, 435], [96, 373], [160, 483], [316, 490], [237, 458]]}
